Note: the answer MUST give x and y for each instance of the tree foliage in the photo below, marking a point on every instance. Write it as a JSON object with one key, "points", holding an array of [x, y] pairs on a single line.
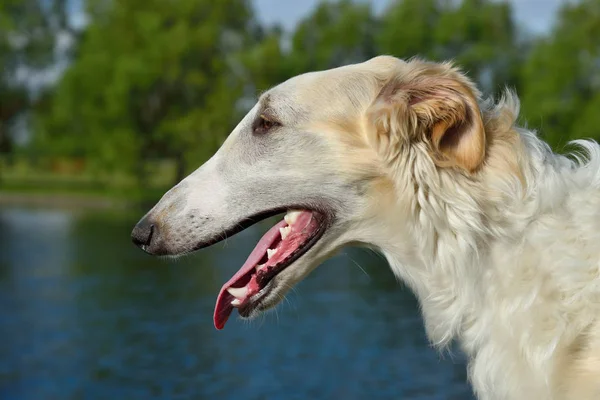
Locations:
{"points": [[561, 78], [153, 79], [29, 34], [335, 34], [478, 35]]}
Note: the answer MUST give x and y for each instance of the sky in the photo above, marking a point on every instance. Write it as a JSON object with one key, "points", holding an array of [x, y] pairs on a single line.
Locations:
{"points": [[536, 16]]}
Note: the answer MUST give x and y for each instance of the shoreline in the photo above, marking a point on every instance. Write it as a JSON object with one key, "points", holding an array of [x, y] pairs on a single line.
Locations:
{"points": [[65, 200]]}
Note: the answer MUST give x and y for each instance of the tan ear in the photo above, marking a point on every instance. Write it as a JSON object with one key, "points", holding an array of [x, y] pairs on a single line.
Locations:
{"points": [[439, 105]]}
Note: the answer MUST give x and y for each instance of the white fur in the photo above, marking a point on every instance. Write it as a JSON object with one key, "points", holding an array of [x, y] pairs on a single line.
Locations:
{"points": [[514, 285], [504, 260]]}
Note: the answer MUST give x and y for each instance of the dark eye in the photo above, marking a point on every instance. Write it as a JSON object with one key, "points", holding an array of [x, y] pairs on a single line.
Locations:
{"points": [[264, 124]]}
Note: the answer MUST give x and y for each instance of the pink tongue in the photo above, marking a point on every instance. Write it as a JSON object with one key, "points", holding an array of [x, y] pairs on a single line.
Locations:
{"points": [[223, 308]]}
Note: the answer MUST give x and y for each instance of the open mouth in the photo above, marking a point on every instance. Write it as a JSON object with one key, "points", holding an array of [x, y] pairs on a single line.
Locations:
{"points": [[283, 244]]}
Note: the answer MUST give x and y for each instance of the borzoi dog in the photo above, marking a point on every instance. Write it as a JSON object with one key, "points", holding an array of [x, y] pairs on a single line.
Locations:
{"points": [[498, 237]]}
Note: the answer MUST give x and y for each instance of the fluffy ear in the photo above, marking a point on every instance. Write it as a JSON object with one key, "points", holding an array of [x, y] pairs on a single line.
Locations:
{"points": [[436, 103]]}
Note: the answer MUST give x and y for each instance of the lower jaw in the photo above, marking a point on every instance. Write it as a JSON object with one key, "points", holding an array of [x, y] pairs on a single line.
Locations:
{"points": [[265, 286], [257, 303]]}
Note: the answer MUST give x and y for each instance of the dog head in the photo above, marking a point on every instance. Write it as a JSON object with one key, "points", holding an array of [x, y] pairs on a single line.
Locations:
{"points": [[340, 152]]}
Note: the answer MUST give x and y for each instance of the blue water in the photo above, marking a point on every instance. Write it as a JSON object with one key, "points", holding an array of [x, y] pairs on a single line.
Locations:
{"points": [[85, 315]]}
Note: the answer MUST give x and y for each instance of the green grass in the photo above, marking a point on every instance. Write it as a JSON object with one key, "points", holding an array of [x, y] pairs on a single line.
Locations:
{"points": [[22, 179]]}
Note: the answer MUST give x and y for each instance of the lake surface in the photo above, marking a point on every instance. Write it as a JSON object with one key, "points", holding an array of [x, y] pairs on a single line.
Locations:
{"points": [[86, 315]]}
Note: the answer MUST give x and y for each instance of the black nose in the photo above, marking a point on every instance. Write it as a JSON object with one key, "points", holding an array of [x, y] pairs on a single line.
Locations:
{"points": [[143, 233]]}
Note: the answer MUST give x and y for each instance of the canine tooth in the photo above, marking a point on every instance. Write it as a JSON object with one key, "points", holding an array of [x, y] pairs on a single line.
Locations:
{"points": [[259, 267], [236, 302], [238, 293], [291, 217], [271, 253], [285, 232]]}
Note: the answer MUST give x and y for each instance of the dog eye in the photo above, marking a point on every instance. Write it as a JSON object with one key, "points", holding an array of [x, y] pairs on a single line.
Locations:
{"points": [[264, 124]]}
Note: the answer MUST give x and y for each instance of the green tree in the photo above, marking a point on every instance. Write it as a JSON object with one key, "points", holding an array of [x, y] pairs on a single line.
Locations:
{"points": [[408, 28], [479, 35], [29, 33], [266, 63], [155, 79], [561, 79], [334, 34], [151, 79]]}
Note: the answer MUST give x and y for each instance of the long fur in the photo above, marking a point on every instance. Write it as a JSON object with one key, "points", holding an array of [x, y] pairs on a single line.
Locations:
{"points": [[498, 236], [508, 262]]}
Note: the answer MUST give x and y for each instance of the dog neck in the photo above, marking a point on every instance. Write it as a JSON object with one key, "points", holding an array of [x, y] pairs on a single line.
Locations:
{"points": [[457, 240], [457, 219]]}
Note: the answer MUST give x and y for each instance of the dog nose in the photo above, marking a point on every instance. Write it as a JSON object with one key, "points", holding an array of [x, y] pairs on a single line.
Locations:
{"points": [[144, 232]]}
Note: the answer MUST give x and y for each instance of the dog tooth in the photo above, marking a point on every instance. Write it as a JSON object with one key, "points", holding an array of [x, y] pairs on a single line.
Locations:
{"points": [[291, 217], [236, 302], [239, 293], [285, 232], [259, 267], [271, 253]]}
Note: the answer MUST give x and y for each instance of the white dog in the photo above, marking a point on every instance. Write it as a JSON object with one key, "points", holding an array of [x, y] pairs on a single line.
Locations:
{"points": [[498, 237]]}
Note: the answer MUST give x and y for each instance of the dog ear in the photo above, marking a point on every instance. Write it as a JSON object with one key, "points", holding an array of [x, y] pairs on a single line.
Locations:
{"points": [[438, 104]]}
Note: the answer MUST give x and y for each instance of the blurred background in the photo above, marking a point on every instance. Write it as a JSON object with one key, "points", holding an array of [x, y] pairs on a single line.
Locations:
{"points": [[105, 104]]}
